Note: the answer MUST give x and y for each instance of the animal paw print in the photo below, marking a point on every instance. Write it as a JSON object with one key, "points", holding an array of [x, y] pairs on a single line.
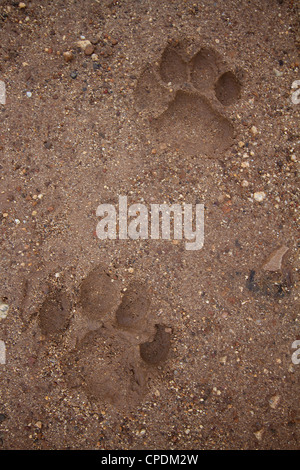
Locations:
{"points": [[185, 101], [119, 345]]}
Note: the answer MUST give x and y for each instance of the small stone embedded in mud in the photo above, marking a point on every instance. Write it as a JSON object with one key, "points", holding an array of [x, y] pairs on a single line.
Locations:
{"points": [[259, 196], [4, 308], [83, 44], [274, 401], [278, 73], [68, 56], [156, 351], [74, 74], [89, 49], [47, 145], [96, 39], [275, 259], [254, 130], [259, 434]]}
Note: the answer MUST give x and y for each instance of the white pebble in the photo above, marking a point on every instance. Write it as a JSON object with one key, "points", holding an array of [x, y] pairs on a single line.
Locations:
{"points": [[3, 310], [259, 196]]}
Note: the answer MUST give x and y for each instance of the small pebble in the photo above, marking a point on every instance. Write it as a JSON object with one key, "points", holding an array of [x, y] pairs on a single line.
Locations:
{"points": [[259, 196], [95, 40], [274, 261], [274, 401], [89, 49], [83, 44], [3, 310], [223, 360], [74, 74], [68, 56], [259, 434], [48, 145]]}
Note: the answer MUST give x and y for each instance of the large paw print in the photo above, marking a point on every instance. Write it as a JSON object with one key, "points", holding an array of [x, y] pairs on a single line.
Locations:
{"points": [[185, 101], [118, 344]]}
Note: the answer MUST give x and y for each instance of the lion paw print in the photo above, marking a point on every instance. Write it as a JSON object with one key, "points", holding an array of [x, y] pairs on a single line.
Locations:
{"points": [[119, 345], [185, 99]]}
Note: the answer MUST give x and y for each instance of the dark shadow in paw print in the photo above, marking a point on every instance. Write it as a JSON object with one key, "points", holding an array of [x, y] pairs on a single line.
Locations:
{"points": [[228, 89], [156, 351], [192, 121]]}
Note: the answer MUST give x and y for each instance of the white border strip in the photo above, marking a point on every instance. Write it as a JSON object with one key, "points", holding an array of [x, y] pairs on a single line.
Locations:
{"points": [[2, 92]]}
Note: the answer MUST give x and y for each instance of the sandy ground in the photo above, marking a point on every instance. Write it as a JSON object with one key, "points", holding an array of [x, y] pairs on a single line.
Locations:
{"points": [[143, 344]]}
